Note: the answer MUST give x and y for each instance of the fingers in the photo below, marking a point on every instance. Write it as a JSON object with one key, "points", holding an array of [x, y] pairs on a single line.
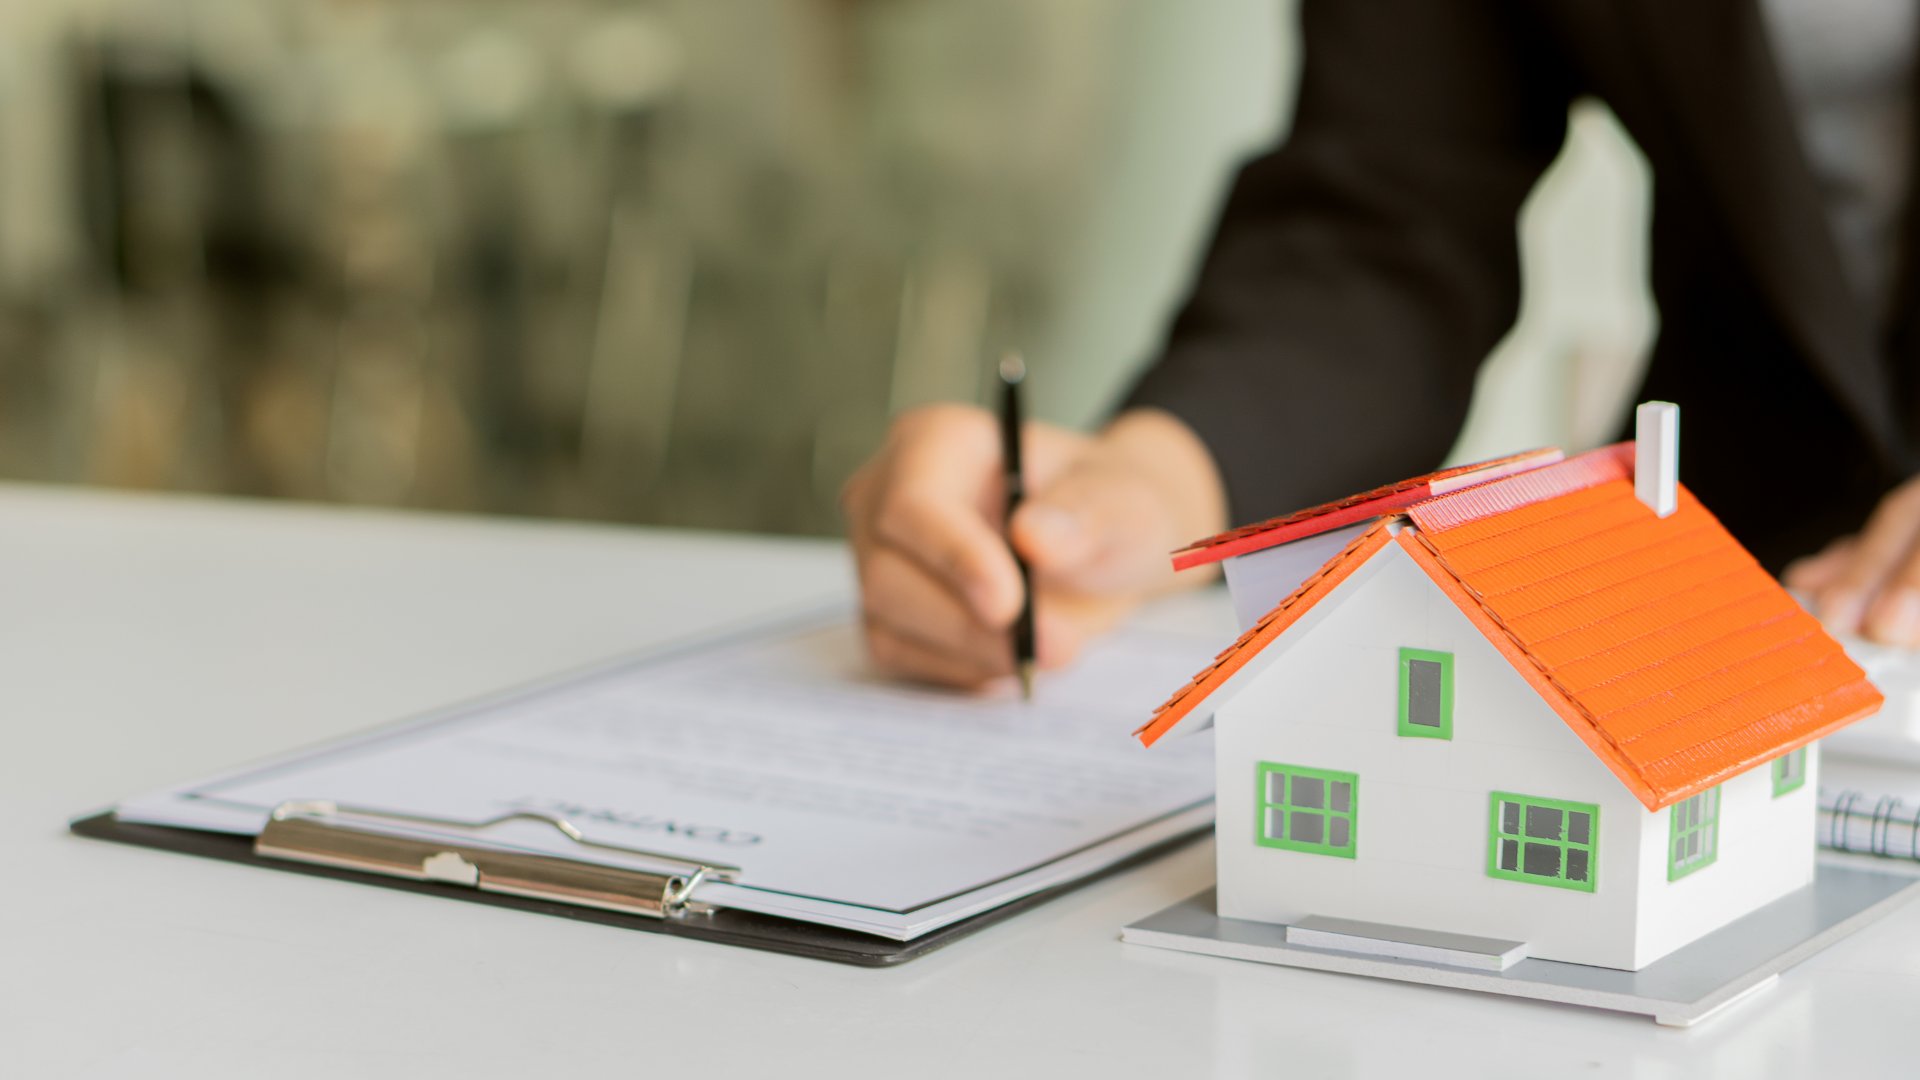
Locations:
{"points": [[899, 598], [940, 587], [1064, 623], [902, 655], [1815, 572], [956, 548], [1048, 452], [1894, 616], [931, 495], [1095, 530], [1884, 550]]}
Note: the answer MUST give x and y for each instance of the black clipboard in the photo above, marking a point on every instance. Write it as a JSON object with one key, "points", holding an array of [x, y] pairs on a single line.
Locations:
{"points": [[727, 927]]}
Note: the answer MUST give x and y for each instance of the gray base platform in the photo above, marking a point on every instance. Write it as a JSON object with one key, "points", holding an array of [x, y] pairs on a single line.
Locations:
{"points": [[1720, 970]]}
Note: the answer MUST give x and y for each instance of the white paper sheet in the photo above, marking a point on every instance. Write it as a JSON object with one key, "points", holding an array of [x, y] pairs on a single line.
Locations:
{"points": [[845, 799]]}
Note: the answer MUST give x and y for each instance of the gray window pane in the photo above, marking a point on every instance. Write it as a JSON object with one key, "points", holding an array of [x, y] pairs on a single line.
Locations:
{"points": [[1276, 787], [1509, 854], [1543, 823], [1309, 791], [1308, 827], [1576, 865], [1423, 693], [1543, 859], [1276, 821], [1342, 797], [1509, 817], [1711, 801], [1683, 816], [1339, 832], [1579, 827]]}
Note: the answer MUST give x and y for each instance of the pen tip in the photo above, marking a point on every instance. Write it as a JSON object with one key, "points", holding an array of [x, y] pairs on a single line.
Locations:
{"points": [[1026, 682], [1012, 367]]}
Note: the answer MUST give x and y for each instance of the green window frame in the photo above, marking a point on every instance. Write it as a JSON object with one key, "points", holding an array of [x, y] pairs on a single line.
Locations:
{"points": [[1303, 809], [1789, 771], [1543, 841], [1426, 695], [1694, 840]]}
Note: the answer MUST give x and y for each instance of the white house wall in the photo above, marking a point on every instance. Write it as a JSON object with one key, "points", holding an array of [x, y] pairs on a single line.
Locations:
{"points": [[1326, 695], [1766, 849]]}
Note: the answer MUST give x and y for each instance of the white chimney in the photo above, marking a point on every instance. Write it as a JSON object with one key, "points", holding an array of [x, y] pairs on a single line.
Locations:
{"points": [[1656, 455]]}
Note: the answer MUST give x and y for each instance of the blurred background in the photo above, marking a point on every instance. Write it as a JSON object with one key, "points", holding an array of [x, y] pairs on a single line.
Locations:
{"points": [[663, 261]]}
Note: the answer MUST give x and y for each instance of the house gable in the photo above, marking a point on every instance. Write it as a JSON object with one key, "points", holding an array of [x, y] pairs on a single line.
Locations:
{"points": [[1326, 699]]}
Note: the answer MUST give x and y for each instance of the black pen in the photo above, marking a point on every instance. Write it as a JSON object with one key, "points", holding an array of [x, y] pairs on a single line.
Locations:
{"points": [[1013, 371]]}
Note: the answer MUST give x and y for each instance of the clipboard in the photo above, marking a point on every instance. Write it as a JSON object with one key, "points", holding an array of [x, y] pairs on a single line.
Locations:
{"points": [[323, 840]]}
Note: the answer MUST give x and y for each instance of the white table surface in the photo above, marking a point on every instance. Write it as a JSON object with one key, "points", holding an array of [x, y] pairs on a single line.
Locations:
{"points": [[147, 640]]}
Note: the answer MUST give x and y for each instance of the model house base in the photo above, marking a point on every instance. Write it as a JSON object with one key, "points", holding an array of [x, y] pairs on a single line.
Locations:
{"points": [[1703, 979]]}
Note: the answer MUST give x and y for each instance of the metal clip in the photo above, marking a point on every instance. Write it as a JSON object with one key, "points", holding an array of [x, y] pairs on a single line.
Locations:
{"points": [[328, 834]]}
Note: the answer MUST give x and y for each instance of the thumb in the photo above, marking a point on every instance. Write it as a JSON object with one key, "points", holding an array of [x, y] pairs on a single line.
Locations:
{"points": [[1095, 529]]}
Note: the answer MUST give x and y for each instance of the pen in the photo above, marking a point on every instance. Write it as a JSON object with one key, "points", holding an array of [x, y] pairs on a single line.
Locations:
{"points": [[1013, 371]]}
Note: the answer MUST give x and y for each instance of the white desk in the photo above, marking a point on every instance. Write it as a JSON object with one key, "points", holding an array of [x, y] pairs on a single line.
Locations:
{"points": [[146, 640]]}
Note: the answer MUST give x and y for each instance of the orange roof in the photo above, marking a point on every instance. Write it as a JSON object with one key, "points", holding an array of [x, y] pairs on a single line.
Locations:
{"points": [[1354, 508], [1660, 641]]}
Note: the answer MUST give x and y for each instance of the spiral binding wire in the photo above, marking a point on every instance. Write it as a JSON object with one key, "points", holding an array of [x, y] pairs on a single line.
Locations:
{"points": [[1892, 828]]}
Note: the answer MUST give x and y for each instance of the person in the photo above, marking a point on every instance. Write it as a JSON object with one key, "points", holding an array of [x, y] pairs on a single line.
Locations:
{"points": [[1361, 273]]}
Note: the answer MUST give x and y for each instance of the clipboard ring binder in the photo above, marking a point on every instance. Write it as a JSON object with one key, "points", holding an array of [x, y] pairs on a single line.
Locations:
{"points": [[325, 833]]}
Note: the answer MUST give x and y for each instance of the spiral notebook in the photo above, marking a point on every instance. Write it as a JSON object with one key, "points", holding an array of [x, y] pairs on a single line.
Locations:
{"points": [[1870, 807]]}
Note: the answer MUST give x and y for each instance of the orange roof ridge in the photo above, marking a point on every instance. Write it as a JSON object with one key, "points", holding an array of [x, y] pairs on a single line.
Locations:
{"points": [[1354, 509], [1535, 486], [1265, 630]]}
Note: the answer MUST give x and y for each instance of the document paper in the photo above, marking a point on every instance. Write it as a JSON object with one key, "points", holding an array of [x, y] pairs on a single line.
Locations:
{"points": [[845, 799]]}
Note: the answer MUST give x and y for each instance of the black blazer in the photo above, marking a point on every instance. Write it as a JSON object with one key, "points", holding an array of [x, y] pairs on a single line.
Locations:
{"points": [[1363, 271]]}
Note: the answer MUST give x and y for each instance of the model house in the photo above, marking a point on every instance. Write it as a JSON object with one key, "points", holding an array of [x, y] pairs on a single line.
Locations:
{"points": [[1541, 701]]}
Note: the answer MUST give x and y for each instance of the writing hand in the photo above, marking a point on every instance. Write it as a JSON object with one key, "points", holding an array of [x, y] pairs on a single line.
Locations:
{"points": [[938, 585]]}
